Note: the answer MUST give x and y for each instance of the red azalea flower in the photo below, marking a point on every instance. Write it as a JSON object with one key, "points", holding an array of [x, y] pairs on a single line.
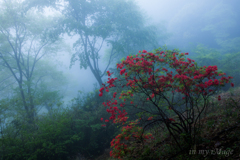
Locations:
{"points": [[144, 51], [152, 95], [122, 71], [150, 118], [172, 119], [101, 89], [219, 98], [232, 84], [109, 74]]}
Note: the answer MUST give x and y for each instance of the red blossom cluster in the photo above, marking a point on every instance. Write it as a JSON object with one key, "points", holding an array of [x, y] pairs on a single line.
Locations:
{"points": [[187, 74], [120, 148]]}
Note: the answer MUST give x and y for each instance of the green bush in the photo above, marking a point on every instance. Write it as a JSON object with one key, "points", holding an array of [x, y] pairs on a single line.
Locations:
{"points": [[61, 135], [52, 138]]}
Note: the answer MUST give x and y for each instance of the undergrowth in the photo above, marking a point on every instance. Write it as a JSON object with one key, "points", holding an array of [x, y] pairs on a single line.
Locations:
{"points": [[218, 138]]}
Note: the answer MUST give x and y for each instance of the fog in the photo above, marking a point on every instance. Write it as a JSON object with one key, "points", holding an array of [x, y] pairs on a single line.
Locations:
{"points": [[186, 23], [181, 24], [46, 46]]}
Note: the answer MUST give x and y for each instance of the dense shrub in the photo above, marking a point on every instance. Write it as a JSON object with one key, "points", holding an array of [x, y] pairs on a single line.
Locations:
{"points": [[59, 136]]}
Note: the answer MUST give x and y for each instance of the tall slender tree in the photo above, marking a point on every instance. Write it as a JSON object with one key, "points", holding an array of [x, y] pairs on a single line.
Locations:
{"points": [[25, 38], [115, 23]]}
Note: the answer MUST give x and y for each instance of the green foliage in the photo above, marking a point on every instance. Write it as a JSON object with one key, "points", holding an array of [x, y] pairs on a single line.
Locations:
{"points": [[206, 56], [88, 110], [226, 61], [49, 138], [60, 136]]}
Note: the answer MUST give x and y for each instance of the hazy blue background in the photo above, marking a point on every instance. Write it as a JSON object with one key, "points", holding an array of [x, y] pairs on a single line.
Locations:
{"points": [[181, 24], [186, 22]]}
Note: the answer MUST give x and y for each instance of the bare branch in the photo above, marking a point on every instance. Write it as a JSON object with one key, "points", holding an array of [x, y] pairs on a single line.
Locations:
{"points": [[93, 54], [7, 86], [108, 63], [37, 59], [10, 68], [5, 79]]}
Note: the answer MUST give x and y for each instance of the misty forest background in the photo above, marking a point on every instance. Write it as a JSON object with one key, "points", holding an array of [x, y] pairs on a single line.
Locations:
{"points": [[54, 56]]}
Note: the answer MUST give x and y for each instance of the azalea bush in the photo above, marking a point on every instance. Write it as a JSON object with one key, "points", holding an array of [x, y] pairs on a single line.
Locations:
{"points": [[150, 77]]}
